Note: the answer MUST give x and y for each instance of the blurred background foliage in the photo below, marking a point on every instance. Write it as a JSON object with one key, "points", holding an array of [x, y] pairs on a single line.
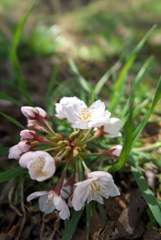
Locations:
{"points": [[96, 34], [94, 31]]}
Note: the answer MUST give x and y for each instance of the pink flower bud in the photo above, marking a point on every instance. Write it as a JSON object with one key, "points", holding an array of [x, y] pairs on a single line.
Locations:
{"points": [[15, 152], [27, 135], [41, 112], [24, 146], [29, 112], [114, 152], [30, 135], [31, 123], [117, 150], [36, 113]]}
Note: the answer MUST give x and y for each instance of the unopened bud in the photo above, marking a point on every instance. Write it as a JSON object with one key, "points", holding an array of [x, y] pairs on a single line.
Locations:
{"points": [[61, 143], [74, 143], [83, 146], [27, 135], [75, 153], [36, 113], [57, 160], [24, 146], [68, 148], [56, 138], [66, 142], [73, 136], [114, 152], [78, 148]]}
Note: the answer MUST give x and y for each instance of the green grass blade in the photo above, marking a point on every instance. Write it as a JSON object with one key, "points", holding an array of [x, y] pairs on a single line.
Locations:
{"points": [[105, 78], [92, 97], [71, 225], [80, 79], [12, 120], [157, 96], [147, 194], [15, 61], [136, 82], [7, 175], [128, 142], [88, 217], [19, 29], [102, 214], [118, 87], [143, 40], [52, 83], [8, 98], [143, 70]]}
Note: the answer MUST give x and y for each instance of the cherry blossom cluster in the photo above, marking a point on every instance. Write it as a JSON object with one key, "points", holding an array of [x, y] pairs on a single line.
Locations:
{"points": [[72, 189]]}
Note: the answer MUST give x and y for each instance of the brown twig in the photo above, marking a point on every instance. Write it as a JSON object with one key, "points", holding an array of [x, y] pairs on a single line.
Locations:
{"points": [[10, 201], [24, 213]]}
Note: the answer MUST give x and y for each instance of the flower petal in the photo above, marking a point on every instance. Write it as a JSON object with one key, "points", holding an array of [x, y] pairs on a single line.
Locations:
{"points": [[104, 176], [62, 207], [112, 128], [25, 159], [35, 195], [14, 152]]}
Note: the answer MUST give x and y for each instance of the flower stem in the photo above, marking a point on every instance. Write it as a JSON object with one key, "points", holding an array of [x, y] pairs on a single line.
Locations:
{"points": [[90, 139], [84, 165], [59, 184], [86, 135], [50, 128], [61, 154], [49, 149]]}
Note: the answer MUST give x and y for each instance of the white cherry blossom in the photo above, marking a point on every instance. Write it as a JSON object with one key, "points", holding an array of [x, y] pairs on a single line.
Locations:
{"points": [[50, 201], [112, 128], [40, 164], [83, 117], [99, 184], [65, 101]]}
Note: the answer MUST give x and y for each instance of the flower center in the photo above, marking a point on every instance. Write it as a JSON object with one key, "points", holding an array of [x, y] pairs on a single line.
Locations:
{"points": [[49, 202], [96, 190], [38, 166], [86, 114]]}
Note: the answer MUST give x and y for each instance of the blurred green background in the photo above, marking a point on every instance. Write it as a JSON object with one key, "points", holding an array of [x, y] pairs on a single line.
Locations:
{"points": [[96, 34]]}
